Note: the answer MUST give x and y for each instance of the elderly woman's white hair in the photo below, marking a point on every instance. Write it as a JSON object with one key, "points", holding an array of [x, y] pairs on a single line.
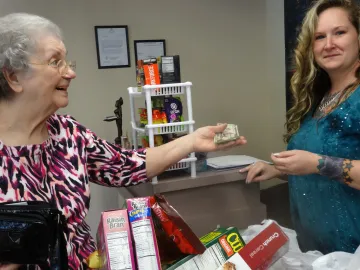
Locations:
{"points": [[18, 35]]}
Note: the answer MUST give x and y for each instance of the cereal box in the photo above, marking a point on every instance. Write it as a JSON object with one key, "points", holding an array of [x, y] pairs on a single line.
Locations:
{"points": [[262, 251], [114, 241], [142, 226]]}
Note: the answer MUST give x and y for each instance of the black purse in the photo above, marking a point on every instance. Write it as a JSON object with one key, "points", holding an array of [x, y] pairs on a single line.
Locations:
{"points": [[32, 233]]}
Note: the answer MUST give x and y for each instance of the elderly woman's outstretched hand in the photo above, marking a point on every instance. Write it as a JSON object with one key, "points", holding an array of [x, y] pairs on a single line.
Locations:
{"points": [[203, 139]]}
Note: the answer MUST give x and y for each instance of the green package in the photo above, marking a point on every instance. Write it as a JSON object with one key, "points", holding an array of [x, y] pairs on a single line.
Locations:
{"points": [[220, 245]]}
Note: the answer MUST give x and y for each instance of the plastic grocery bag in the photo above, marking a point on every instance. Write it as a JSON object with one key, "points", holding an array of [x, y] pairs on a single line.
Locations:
{"points": [[294, 259], [338, 261]]}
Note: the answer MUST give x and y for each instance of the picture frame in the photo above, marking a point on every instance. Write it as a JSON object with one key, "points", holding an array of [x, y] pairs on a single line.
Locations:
{"points": [[112, 46], [149, 48]]}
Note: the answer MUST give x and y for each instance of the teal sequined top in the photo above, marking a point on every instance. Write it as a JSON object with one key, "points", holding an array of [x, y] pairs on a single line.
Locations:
{"points": [[326, 213]]}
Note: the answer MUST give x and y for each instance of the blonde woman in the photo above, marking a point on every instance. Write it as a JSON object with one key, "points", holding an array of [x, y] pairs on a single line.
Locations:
{"points": [[323, 131]]}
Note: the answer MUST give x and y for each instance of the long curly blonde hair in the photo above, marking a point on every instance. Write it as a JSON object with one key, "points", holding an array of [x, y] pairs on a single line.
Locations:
{"points": [[309, 82]]}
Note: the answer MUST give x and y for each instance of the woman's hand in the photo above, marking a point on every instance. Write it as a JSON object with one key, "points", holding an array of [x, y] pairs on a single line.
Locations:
{"points": [[158, 159], [9, 266], [260, 171], [203, 139], [296, 162]]}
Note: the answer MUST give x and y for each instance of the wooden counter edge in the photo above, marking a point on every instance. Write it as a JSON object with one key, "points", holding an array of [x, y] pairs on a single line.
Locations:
{"points": [[201, 180]]}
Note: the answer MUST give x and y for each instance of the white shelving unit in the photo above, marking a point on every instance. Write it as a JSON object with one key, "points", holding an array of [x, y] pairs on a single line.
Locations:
{"points": [[156, 129]]}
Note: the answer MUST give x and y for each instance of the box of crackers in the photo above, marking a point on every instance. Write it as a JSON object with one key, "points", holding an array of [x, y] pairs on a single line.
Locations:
{"points": [[220, 244]]}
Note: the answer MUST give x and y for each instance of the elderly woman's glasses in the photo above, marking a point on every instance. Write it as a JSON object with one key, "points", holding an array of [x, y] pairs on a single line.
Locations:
{"points": [[61, 65]]}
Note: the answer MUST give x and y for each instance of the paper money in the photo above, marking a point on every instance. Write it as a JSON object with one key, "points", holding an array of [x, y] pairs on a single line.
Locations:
{"points": [[230, 133]]}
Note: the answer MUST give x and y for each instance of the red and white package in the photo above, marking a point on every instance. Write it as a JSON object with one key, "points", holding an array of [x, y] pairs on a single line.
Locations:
{"points": [[261, 252], [151, 71]]}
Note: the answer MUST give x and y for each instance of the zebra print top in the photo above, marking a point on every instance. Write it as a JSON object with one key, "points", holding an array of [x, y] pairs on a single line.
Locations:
{"points": [[59, 171]]}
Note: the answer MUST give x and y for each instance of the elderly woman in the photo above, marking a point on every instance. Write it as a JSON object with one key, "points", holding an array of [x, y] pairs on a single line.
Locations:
{"points": [[49, 157]]}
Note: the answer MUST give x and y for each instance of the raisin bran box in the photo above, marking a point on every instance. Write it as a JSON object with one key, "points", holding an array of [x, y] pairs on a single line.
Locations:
{"points": [[114, 241]]}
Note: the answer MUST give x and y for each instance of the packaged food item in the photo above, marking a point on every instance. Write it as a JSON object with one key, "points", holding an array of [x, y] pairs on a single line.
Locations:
{"points": [[145, 141], [157, 102], [94, 260], [163, 117], [143, 116], [158, 140], [173, 109], [142, 226], [158, 59], [220, 245], [184, 240], [151, 71], [262, 251], [157, 117], [140, 78], [114, 241], [230, 133], [170, 69]]}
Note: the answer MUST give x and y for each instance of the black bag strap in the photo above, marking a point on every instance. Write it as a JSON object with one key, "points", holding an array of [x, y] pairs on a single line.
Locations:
{"points": [[58, 254]]}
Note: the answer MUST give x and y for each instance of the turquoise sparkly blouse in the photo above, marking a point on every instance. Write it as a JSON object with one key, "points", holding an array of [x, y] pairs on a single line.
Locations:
{"points": [[326, 213]]}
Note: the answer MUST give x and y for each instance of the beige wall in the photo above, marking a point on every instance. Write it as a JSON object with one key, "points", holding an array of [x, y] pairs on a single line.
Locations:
{"points": [[232, 51]]}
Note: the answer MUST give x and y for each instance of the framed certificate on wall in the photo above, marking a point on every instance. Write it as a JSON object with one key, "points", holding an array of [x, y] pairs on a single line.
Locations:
{"points": [[145, 49], [112, 46]]}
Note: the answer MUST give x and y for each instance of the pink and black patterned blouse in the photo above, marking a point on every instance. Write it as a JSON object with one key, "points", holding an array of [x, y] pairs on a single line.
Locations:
{"points": [[59, 171]]}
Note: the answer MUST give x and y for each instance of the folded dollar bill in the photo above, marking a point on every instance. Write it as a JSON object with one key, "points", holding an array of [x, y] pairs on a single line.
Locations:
{"points": [[230, 133]]}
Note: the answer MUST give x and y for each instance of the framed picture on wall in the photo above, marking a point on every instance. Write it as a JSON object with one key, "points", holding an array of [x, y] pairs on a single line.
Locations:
{"points": [[145, 49], [112, 46]]}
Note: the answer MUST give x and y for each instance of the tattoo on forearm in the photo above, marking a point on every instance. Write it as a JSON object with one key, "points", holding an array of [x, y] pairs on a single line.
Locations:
{"points": [[336, 168], [347, 166]]}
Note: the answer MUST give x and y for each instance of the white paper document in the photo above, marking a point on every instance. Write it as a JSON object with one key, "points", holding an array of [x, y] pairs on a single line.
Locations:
{"points": [[231, 161]]}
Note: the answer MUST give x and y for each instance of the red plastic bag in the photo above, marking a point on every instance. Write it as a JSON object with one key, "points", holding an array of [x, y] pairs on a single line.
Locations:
{"points": [[175, 229]]}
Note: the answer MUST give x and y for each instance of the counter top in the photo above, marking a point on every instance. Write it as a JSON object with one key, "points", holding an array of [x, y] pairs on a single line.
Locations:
{"points": [[182, 180]]}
